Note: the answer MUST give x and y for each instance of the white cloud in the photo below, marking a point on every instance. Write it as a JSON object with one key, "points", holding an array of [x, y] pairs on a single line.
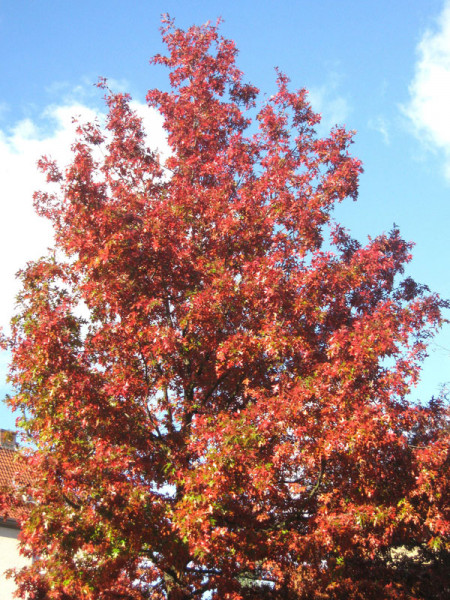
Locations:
{"points": [[325, 100], [153, 121], [25, 236], [85, 92], [428, 108], [380, 124]]}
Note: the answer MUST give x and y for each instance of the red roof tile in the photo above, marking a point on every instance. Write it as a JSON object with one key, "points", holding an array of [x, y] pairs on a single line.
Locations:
{"points": [[11, 473], [8, 466]]}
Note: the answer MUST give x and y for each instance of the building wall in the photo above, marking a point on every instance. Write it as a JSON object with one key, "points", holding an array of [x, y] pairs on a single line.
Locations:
{"points": [[9, 558]]}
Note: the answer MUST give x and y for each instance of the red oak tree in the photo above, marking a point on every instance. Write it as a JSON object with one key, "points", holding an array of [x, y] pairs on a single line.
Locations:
{"points": [[230, 421]]}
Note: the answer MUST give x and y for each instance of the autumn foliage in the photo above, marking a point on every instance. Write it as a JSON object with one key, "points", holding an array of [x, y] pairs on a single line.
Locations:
{"points": [[225, 417]]}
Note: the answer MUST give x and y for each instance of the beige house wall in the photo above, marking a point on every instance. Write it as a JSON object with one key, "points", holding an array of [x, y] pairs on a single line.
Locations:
{"points": [[9, 558]]}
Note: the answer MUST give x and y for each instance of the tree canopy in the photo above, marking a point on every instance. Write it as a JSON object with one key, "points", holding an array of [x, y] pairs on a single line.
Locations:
{"points": [[227, 417]]}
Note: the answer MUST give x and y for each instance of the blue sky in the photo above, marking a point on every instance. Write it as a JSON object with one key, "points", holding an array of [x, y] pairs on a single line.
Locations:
{"points": [[380, 67]]}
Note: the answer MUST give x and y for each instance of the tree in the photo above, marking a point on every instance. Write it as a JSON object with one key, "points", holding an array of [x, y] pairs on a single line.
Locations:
{"points": [[230, 420]]}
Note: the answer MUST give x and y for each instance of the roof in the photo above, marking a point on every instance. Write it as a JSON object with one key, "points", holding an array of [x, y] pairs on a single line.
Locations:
{"points": [[11, 472], [8, 466]]}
